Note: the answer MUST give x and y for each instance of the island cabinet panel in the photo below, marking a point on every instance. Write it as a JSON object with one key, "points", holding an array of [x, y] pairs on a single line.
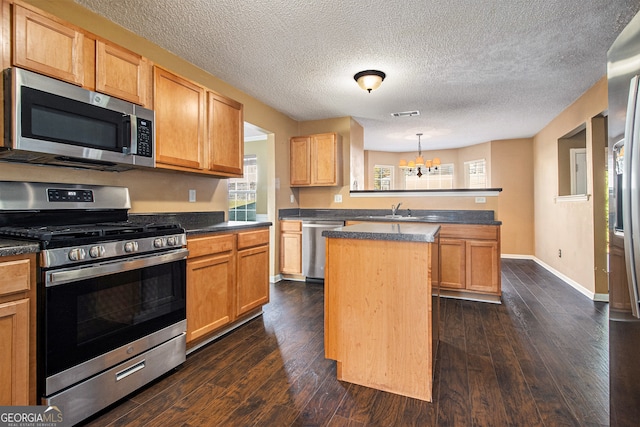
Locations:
{"points": [[378, 314], [179, 105], [47, 46]]}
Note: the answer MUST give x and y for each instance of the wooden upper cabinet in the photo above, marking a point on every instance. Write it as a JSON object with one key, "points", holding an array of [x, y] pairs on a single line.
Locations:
{"points": [[315, 160], [46, 46], [179, 105], [300, 155], [324, 159], [122, 74], [56, 49], [225, 135]]}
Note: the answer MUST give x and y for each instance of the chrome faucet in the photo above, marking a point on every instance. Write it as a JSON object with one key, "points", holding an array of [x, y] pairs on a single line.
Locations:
{"points": [[394, 208]]}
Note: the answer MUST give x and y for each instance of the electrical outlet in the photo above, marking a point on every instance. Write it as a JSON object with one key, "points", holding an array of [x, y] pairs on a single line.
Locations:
{"points": [[292, 198], [559, 253], [192, 196], [481, 200], [337, 198]]}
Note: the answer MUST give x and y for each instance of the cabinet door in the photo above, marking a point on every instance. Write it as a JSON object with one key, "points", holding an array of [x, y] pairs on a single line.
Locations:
{"points": [[45, 46], [14, 353], [225, 130], [210, 283], [483, 266], [291, 253], [452, 262], [179, 107], [300, 166], [252, 288], [121, 73], [324, 159]]}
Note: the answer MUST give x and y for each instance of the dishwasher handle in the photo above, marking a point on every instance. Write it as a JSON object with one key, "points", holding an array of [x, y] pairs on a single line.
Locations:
{"points": [[322, 225]]}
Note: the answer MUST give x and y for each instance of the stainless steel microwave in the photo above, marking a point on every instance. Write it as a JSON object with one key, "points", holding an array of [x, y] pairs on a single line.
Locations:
{"points": [[47, 121]]}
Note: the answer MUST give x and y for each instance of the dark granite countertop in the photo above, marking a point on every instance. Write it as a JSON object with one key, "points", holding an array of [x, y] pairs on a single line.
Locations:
{"points": [[10, 247], [199, 222], [409, 232], [476, 217]]}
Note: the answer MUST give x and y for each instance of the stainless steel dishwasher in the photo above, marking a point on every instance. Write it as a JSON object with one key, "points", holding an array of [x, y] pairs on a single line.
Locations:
{"points": [[313, 247]]}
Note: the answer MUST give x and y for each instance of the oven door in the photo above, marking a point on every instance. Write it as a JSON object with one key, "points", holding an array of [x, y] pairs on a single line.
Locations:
{"points": [[97, 315]]}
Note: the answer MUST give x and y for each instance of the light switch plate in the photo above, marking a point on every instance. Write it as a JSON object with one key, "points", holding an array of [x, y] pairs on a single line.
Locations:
{"points": [[337, 198], [192, 196]]}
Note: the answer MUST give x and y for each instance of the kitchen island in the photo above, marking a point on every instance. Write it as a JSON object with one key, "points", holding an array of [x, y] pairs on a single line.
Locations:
{"points": [[382, 305]]}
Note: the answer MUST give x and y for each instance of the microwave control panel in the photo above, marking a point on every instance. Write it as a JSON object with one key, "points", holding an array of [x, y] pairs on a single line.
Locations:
{"points": [[145, 138]]}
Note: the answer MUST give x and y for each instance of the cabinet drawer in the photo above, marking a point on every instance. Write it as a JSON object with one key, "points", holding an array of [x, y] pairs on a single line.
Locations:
{"points": [[247, 239], [462, 231], [209, 245], [15, 276], [291, 226]]}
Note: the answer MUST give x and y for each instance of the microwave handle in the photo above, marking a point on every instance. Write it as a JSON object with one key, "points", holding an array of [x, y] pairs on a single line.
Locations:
{"points": [[131, 134]]}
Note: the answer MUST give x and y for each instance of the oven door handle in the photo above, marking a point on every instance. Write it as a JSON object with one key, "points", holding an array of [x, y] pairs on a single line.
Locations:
{"points": [[60, 277]]}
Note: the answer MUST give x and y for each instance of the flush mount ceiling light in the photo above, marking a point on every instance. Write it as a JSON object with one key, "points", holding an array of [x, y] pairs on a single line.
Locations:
{"points": [[369, 79]]}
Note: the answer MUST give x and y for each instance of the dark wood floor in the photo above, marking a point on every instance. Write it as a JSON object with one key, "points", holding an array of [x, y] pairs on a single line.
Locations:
{"points": [[539, 359]]}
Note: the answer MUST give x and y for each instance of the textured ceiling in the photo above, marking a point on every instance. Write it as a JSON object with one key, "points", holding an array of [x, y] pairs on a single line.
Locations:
{"points": [[476, 70]]}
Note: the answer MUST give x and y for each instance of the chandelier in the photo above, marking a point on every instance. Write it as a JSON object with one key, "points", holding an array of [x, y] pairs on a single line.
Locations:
{"points": [[414, 167]]}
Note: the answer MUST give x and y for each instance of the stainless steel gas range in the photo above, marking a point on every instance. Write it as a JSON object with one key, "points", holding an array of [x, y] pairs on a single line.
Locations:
{"points": [[111, 293]]}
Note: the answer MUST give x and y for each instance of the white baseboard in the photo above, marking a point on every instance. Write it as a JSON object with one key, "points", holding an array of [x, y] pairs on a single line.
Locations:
{"points": [[275, 279], [577, 286]]}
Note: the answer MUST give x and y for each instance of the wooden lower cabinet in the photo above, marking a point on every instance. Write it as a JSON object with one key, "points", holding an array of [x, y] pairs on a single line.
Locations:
{"points": [[453, 256], [483, 261], [291, 247], [253, 279], [470, 259], [227, 279], [17, 330], [14, 354], [210, 281]]}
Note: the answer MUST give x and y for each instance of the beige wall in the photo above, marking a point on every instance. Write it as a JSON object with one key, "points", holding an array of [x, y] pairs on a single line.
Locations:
{"points": [[572, 226], [512, 170]]}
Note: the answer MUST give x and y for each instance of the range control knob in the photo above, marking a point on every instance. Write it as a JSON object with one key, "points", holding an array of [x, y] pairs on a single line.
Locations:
{"points": [[172, 241], [158, 243], [131, 247], [96, 251], [77, 254]]}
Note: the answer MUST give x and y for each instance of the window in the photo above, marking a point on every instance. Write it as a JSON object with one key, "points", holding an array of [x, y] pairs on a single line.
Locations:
{"points": [[475, 175], [242, 192], [383, 177], [442, 178]]}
